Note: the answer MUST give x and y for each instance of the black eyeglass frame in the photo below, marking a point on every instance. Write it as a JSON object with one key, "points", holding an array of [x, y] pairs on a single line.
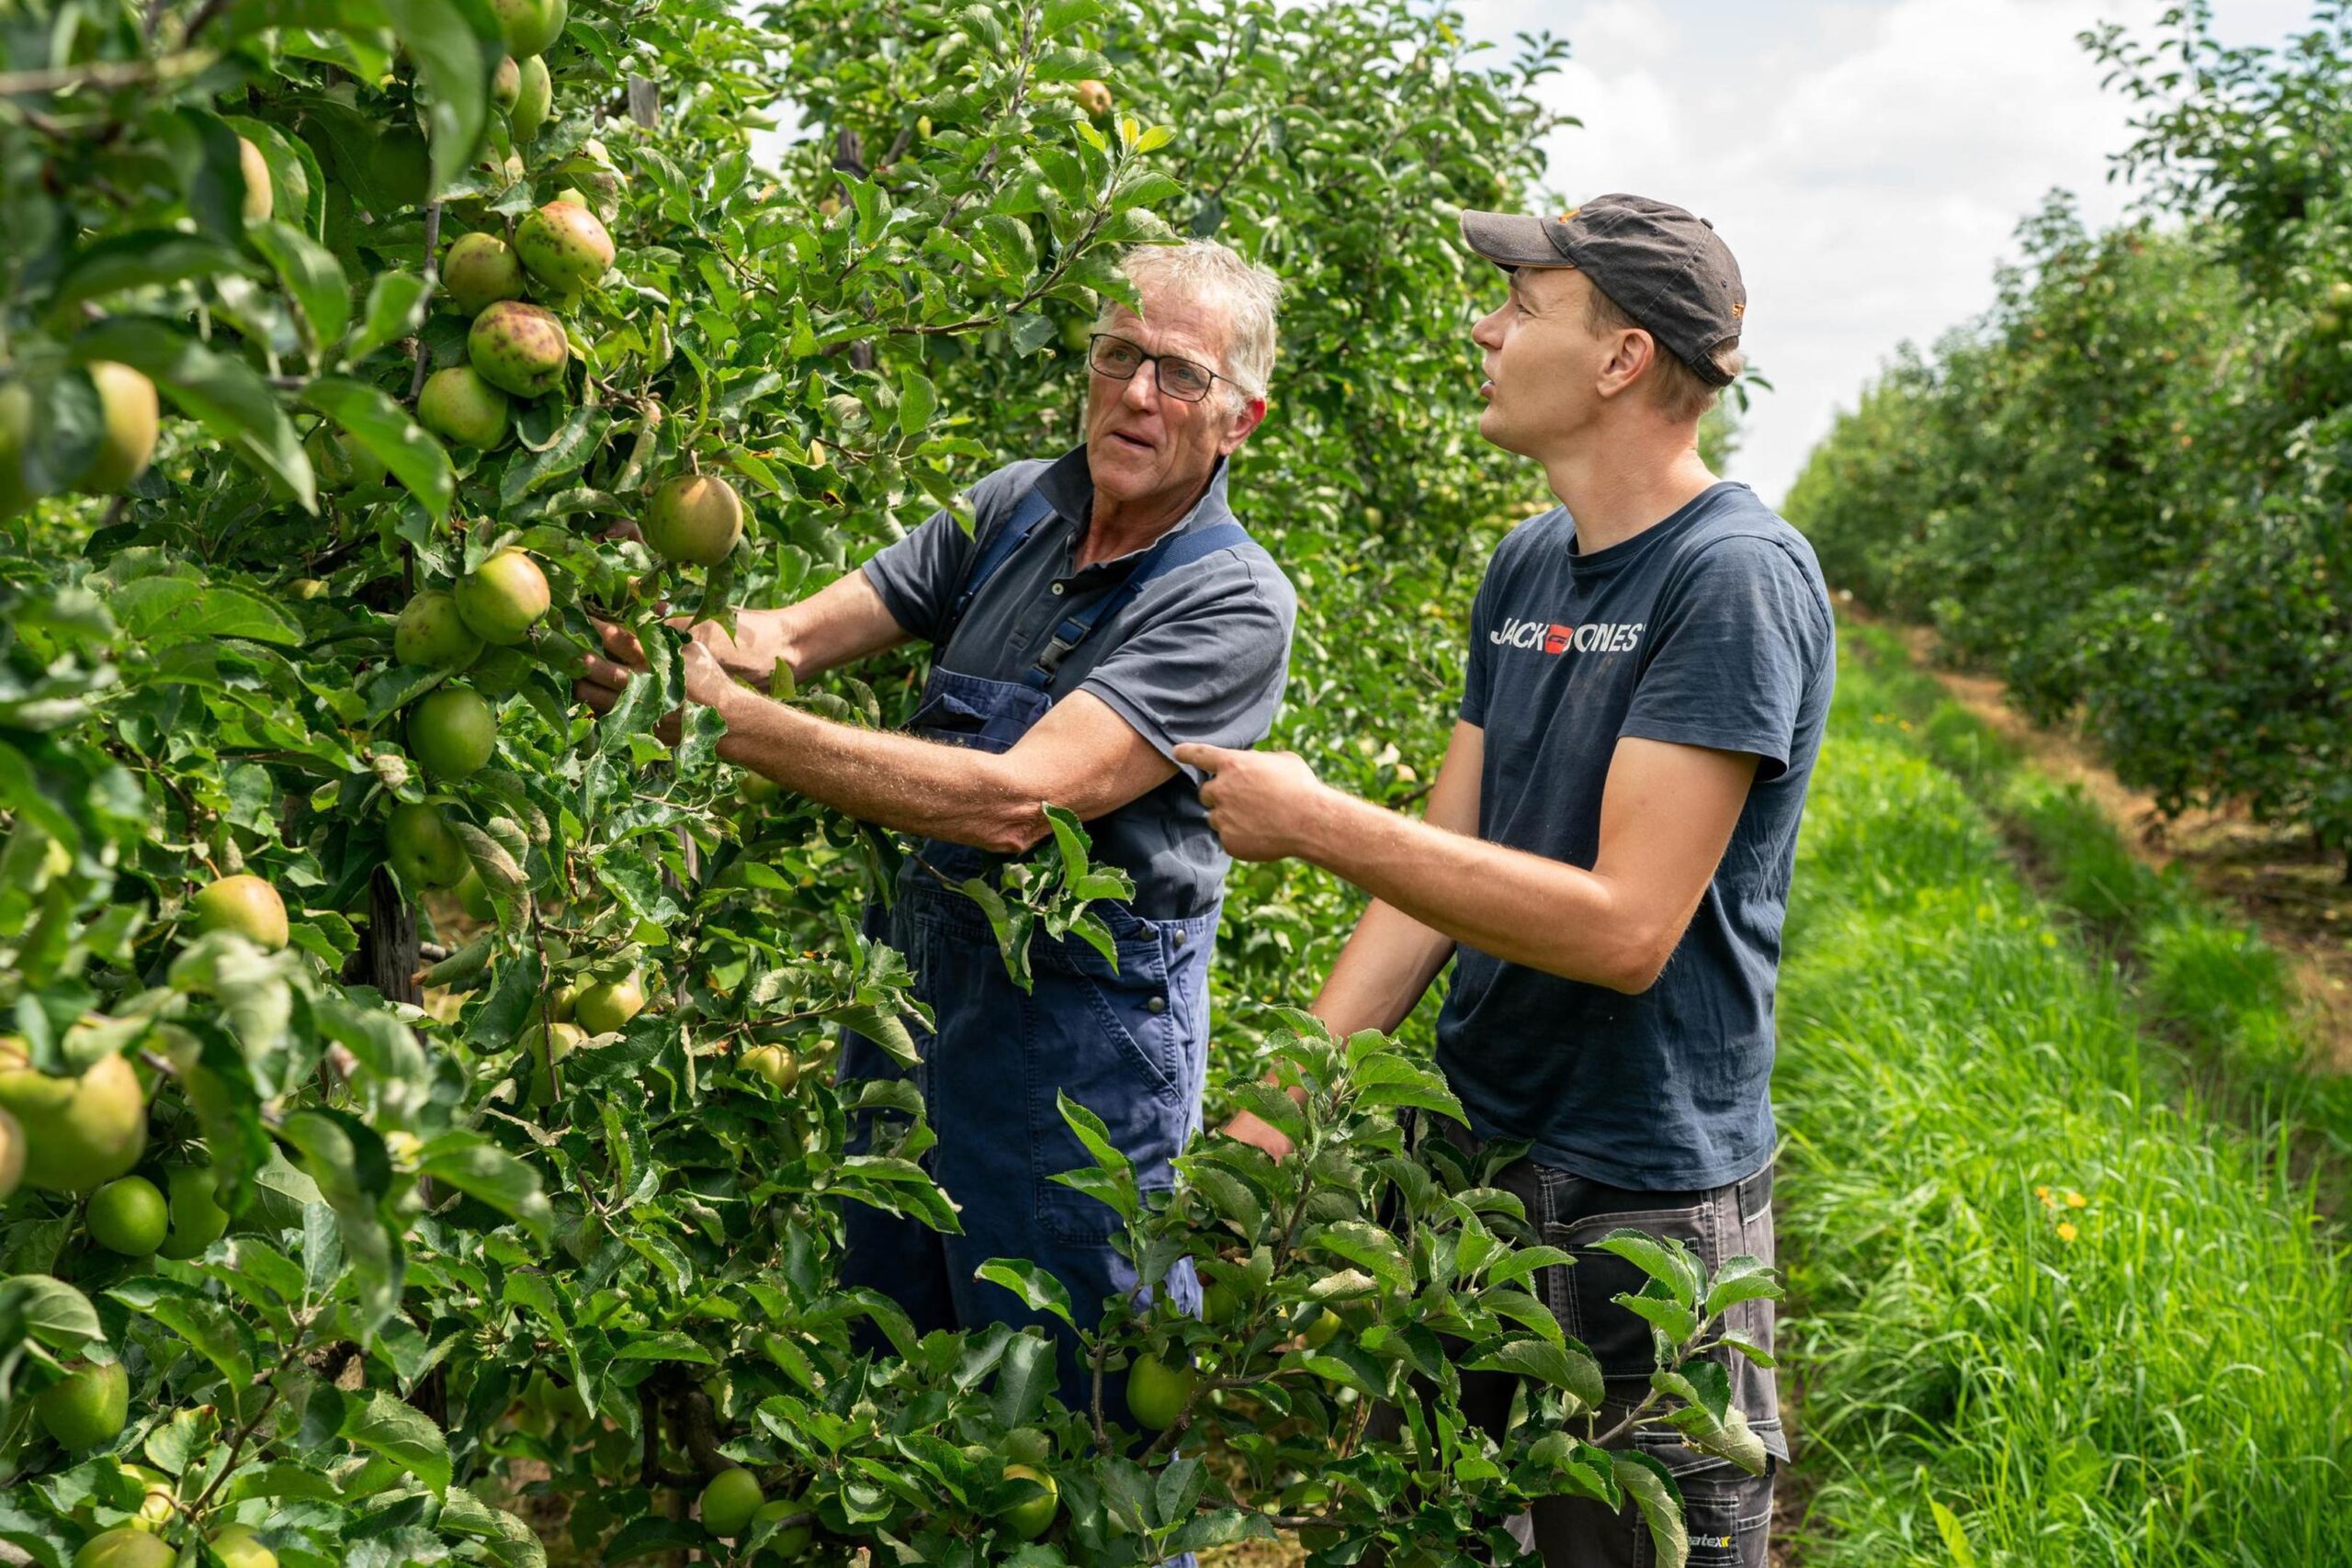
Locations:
{"points": [[1153, 360]]}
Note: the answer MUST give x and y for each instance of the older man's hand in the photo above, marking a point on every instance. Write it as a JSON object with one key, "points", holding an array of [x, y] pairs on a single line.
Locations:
{"points": [[601, 680], [1261, 804]]}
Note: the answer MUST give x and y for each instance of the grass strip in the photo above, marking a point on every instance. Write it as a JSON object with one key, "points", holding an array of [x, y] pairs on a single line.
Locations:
{"points": [[2048, 1307], [2199, 970]]}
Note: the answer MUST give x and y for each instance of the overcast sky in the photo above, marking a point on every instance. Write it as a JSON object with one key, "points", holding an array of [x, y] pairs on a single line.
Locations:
{"points": [[1867, 160]]}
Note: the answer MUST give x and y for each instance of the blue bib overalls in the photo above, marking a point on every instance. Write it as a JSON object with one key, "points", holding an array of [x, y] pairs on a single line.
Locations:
{"points": [[1129, 1043]]}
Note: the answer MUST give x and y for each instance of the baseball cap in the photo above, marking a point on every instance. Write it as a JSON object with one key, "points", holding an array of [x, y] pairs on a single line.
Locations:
{"points": [[1666, 268]]}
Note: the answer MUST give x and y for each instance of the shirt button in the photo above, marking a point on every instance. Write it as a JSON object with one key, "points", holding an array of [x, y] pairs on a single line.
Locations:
{"points": [[1157, 1005], [1057, 588]]}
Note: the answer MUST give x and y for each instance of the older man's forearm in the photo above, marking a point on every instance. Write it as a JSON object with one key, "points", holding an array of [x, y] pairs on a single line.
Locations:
{"points": [[894, 780]]}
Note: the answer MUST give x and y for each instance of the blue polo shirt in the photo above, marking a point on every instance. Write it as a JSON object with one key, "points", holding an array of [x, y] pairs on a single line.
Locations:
{"points": [[1200, 654], [1710, 629]]}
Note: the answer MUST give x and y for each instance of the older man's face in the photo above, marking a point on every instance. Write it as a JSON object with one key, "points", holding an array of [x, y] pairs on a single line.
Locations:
{"points": [[1141, 445]]}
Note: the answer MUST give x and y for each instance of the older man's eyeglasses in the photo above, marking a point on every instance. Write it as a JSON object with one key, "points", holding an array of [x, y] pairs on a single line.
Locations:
{"points": [[1112, 356]]}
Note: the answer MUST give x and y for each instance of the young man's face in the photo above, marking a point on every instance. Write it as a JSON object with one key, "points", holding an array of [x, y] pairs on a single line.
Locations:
{"points": [[1143, 445], [1543, 362]]}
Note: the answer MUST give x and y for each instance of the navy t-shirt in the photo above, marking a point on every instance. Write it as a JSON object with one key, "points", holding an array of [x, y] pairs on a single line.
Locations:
{"points": [[1712, 629]]}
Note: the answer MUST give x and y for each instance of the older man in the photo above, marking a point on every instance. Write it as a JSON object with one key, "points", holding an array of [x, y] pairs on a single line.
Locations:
{"points": [[1105, 609]]}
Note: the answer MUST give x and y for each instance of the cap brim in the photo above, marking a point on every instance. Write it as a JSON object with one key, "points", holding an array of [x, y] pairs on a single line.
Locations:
{"points": [[1510, 239]]}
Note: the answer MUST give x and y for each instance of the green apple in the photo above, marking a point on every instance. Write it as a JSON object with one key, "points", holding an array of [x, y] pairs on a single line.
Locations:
{"points": [[424, 848], [126, 1546], [518, 348], [133, 423], [729, 1500], [608, 1005], [430, 632], [197, 1218], [245, 904], [473, 896], [127, 1216], [451, 732], [239, 1547], [87, 1408], [12, 1155], [564, 248], [534, 96], [790, 1541], [503, 598], [1158, 1391], [1033, 1514], [694, 518], [779, 1065], [341, 462], [479, 271], [260, 199], [530, 26], [79, 1133], [544, 1046], [459, 407]]}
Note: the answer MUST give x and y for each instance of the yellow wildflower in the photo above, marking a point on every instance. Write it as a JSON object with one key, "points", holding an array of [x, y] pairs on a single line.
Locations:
{"points": [[2066, 1231], [2075, 1200]]}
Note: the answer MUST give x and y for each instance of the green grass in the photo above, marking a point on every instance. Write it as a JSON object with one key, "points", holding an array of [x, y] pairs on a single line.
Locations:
{"points": [[2199, 973], [2169, 1384]]}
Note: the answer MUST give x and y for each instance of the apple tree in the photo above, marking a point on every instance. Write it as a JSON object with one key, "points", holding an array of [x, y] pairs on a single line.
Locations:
{"points": [[416, 1129]]}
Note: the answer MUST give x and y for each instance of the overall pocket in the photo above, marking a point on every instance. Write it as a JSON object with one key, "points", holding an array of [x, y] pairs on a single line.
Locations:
{"points": [[1108, 1039]]}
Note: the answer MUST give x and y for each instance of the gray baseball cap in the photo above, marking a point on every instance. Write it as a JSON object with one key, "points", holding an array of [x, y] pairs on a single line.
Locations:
{"points": [[1666, 268]]}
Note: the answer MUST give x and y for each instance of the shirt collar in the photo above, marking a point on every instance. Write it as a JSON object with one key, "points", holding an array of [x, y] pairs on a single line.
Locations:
{"points": [[1068, 485]]}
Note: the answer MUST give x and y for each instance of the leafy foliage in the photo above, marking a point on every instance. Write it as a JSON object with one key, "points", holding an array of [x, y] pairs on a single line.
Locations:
{"points": [[504, 1183]]}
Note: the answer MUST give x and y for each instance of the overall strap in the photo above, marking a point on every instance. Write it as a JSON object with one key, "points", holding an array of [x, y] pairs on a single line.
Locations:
{"points": [[1029, 512], [1175, 550]]}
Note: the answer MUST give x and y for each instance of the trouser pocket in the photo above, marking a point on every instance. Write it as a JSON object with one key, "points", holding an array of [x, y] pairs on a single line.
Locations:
{"points": [[1577, 1214]]}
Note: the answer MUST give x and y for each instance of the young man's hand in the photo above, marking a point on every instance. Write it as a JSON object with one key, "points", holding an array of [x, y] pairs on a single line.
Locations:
{"points": [[1263, 804], [1249, 1129]]}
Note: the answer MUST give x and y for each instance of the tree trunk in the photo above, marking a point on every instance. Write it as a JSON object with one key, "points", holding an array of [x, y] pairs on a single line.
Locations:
{"points": [[387, 955]]}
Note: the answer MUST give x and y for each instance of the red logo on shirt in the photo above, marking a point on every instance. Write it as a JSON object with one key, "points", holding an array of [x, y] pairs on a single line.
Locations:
{"points": [[1593, 636]]}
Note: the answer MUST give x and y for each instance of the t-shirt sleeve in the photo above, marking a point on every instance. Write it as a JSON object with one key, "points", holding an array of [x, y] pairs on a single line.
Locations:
{"points": [[1478, 664], [916, 577], [1210, 669], [1730, 654]]}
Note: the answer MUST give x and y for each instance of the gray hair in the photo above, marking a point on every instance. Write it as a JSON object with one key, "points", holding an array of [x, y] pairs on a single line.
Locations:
{"points": [[1204, 270]]}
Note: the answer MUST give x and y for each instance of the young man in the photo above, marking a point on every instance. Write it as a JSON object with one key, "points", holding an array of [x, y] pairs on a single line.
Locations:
{"points": [[1104, 607], [1607, 846]]}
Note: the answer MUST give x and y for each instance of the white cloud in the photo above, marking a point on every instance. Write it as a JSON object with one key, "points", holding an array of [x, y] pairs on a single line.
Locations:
{"points": [[1867, 162]]}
